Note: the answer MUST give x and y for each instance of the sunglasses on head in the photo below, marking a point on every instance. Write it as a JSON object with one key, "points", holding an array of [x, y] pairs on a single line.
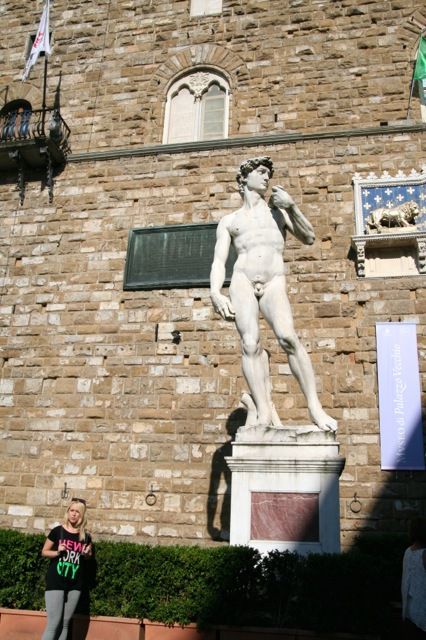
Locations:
{"points": [[79, 500]]}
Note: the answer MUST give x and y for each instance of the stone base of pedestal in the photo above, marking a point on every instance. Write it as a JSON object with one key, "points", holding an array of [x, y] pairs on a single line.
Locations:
{"points": [[285, 489]]}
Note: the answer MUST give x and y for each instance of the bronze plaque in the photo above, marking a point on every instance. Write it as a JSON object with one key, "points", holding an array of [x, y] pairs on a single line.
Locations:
{"points": [[172, 256]]}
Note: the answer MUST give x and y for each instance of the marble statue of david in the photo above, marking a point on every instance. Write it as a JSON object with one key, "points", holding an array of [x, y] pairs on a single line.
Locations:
{"points": [[257, 231]]}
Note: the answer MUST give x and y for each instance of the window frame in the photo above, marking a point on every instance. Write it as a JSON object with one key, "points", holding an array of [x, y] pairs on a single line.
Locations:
{"points": [[30, 41], [198, 82], [206, 10]]}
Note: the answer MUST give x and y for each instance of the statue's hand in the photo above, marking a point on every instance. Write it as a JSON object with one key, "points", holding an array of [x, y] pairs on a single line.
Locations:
{"points": [[222, 305], [281, 199]]}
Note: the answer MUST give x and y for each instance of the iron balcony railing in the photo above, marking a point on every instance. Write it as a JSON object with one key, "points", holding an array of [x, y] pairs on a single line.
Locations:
{"points": [[35, 124]]}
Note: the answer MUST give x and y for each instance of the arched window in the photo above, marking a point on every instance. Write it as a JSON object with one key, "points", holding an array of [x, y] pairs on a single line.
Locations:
{"points": [[197, 108], [15, 120]]}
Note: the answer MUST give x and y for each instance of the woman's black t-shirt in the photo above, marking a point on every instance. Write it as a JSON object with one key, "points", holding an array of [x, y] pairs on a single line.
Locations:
{"points": [[66, 573]]}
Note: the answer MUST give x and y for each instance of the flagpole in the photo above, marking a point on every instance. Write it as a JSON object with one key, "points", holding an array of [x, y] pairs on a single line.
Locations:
{"points": [[414, 72], [46, 59], [411, 91], [43, 106]]}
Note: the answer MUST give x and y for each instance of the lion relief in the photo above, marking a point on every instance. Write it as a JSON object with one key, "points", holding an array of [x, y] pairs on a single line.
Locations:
{"points": [[385, 218]]}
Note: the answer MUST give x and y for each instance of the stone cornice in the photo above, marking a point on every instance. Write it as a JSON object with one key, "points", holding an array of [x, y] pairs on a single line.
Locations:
{"points": [[246, 465], [243, 141]]}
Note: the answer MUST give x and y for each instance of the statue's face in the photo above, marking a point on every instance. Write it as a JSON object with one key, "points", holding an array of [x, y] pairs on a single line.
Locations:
{"points": [[258, 179]]}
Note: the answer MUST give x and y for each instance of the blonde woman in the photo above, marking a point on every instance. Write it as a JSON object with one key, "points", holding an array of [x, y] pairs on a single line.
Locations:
{"points": [[67, 545]]}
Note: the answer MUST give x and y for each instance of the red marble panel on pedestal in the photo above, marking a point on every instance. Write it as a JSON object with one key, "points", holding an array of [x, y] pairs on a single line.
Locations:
{"points": [[285, 516]]}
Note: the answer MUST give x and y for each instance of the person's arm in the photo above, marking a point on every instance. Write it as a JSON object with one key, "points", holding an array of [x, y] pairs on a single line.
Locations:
{"points": [[404, 583], [49, 552], [87, 547], [221, 303], [294, 219]]}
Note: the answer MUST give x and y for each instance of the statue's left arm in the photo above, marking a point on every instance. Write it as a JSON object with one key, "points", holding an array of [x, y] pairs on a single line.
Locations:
{"points": [[294, 219]]}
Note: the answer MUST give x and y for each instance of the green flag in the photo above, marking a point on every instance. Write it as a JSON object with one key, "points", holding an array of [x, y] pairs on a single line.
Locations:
{"points": [[420, 68]]}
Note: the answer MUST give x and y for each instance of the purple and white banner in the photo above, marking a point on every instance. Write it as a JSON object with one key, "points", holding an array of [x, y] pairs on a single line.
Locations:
{"points": [[400, 411]]}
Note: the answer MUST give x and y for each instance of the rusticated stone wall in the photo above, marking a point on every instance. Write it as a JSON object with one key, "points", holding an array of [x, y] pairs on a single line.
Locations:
{"points": [[291, 65], [93, 391]]}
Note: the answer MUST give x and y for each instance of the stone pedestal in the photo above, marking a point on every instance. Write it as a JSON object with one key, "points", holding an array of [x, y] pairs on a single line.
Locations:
{"points": [[285, 489]]}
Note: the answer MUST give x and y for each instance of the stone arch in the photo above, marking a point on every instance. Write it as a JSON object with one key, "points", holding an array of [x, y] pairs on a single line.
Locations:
{"points": [[210, 55], [414, 24], [20, 91], [196, 57]]}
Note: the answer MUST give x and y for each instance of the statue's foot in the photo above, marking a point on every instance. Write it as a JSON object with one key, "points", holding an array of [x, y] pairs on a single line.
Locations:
{"points": [[255, 418], [264, 420], [323, 421], [250, 407]]}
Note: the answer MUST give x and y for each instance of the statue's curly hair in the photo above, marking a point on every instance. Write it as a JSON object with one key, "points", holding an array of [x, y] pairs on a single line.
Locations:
{"points": [[249, 165]]}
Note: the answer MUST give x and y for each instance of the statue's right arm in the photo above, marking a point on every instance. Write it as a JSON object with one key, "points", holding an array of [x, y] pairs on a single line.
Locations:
{"points": [[294, 219], [221, 303]]}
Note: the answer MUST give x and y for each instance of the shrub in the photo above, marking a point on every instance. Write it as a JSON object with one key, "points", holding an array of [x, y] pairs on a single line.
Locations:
{"points": [[346, 592], [222, 585], [175, 584], [281, 574], [22, 570]]}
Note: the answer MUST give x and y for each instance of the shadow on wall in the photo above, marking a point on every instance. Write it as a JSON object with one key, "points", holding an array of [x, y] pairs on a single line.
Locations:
{"points": [[221, 474], [401, 498]]}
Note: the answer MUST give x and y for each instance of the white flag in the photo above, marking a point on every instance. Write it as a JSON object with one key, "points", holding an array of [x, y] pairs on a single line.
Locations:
{"points": [[41, 42]]}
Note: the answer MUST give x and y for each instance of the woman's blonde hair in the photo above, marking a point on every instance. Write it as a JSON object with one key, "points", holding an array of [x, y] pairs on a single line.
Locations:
{"points": [[82, 524]]}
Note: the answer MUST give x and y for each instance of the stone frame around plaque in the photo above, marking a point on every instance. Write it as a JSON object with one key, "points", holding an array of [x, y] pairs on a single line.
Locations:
{"points": [[398, 246]]}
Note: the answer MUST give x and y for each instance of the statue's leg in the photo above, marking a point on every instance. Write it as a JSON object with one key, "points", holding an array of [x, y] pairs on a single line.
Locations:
{"points": [[247, 403], [246, 309], [276, 309], [276, 422]]}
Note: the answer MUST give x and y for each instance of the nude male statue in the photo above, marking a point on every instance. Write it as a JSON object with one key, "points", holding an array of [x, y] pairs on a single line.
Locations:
{"points": [[257, 231]]}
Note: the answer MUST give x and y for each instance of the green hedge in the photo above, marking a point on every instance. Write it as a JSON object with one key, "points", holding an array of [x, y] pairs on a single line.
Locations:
{"points": [[223, 585]]}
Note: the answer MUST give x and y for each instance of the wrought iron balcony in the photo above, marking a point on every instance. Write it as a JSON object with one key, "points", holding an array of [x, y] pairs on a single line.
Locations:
{"points": [[33, 139]]}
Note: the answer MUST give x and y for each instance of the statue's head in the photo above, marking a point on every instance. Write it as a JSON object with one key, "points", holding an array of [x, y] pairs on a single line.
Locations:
{"points": [[249, 165]]}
